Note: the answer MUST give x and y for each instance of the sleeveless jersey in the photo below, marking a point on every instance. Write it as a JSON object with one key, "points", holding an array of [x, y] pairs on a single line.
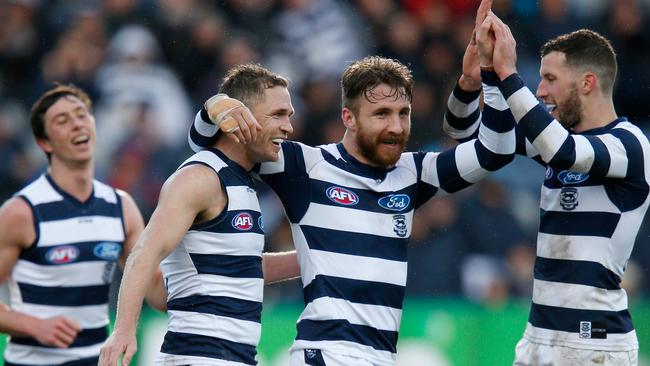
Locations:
{"points": [[214, 278], [67, 271], [351, 224]]}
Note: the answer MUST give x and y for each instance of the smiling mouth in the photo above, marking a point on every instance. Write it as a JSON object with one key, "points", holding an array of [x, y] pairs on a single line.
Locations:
{"points": [[550, 108], [80, 140], [277, 141]]}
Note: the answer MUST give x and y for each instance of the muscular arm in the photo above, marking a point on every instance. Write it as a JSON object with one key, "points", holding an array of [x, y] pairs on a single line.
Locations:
{"points": [[17, 228], [156, 294], [184, 196]]}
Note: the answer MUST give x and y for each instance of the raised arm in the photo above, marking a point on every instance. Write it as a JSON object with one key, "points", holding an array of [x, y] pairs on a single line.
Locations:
{"points": [[222, 114], [471, 161], [185, 195], [618, 153]]}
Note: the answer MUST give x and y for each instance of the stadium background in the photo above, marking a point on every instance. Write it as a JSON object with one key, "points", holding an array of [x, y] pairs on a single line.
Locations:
{"points": [[149, 64]]}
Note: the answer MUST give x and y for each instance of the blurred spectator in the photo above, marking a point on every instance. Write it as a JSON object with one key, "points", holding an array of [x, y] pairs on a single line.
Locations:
{"points": [[132, 77], [19, 45], [631, 36], [436, 250], [502, 255], [314, 39]]}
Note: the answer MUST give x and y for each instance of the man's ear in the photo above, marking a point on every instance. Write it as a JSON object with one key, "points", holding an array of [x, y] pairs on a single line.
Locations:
{"points": [[349, 120], [588, 83], [44, 144]]}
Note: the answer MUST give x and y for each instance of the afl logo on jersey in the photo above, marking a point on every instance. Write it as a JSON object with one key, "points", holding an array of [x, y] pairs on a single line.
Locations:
{"points": [[107, 250], [342, 196], [62, 254], [395, 202], [568, 177], [242, 221]]}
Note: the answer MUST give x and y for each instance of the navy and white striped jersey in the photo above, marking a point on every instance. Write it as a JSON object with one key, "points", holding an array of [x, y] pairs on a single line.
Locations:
{"points": [[594, 197], [214, 278], [351, 223], [67, 271]]}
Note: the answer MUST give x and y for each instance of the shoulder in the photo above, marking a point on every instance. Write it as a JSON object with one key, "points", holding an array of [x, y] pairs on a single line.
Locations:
{"points": [[193, 183], [17, 222]]}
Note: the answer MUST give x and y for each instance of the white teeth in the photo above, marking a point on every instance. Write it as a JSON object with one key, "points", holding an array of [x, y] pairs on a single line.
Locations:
{"points": [[277, 141], [550, 107], [80, 139]]}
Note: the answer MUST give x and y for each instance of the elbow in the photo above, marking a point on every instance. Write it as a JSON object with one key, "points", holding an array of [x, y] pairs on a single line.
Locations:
{"points": [[497, 161]]}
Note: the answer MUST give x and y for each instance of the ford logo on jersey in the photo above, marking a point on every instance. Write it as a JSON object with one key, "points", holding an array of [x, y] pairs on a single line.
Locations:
{"points": [[242, 221], [569, 177], [107, 250], [342, 196], [62, 254], [395, 202]]}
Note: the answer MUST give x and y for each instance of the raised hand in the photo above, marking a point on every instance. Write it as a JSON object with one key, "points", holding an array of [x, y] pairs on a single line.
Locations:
{"points": [[485, 40], [59, 331], [505, 49], [233, 118], [471, 77]]}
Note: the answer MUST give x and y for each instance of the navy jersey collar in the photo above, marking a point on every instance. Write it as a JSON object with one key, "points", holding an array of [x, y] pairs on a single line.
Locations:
{"points": [[238, 169], [601, 130], [360, 168], [67, 196]]}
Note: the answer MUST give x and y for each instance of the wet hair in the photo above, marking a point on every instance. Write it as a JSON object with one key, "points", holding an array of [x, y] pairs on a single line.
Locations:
{"points": [[40, 107], [586, 50], [247, 82], [364, 75]]}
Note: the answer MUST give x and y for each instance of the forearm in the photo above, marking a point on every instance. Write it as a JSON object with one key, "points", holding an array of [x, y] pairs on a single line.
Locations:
{"points": [[202, 133], [280, 266], [463, 115], [551, 140], [497, 129], [140, 267], [16, 324]]}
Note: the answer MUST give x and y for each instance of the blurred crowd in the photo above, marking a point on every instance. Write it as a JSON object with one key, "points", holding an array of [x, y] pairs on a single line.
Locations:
{"points": [[150, 64]]}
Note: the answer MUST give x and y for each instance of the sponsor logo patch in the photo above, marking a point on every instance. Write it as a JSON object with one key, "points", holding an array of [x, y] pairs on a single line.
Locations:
{"points": [[342, 196], [568, 177], [395, 202], [62, 254], [242, 221], [569, 198], [107, 250], [589, 330], [399, 225]]}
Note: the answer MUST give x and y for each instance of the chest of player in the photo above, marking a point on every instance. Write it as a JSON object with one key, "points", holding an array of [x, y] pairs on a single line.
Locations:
{"points": [[566, 190]]}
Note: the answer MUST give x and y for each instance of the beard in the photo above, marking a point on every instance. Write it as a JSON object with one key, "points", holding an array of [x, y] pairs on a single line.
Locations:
{"points": [[374, 148], [570, 112]]}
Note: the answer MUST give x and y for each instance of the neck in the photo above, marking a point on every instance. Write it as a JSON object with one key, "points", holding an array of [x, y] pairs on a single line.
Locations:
{"points": [[353, 149], [75, 179], [235, 151], [596, 113]]}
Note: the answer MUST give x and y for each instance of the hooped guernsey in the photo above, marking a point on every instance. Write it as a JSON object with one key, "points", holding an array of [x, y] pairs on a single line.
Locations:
{"points": [[351, 224]]}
